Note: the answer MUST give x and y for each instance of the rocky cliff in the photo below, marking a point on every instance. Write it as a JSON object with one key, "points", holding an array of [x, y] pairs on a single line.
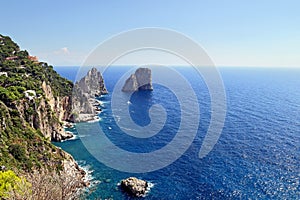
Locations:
{"points": [[140, 80], [84, 104], [47, 113], [34, 102]]}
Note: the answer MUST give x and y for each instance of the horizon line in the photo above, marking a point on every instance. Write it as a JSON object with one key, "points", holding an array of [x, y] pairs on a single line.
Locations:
{"points": [[218, 66]]}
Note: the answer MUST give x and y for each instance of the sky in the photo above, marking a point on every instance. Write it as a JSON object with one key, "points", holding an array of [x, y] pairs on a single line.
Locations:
{"points": [[232, 32]]}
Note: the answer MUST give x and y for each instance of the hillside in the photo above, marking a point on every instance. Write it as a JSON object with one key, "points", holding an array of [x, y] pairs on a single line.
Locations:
{"points": [[34, 101]]}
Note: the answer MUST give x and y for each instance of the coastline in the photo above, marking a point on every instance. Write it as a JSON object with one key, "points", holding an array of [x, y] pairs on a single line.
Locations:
{"points": [[95, 104], [78, 168]]}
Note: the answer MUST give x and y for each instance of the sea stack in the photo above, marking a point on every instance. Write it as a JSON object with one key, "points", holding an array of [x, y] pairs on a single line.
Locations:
{"points": [[92, 84], [84, 105], [140, 80]]}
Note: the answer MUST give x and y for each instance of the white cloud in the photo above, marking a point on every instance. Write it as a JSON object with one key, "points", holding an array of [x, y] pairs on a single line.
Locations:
{"points": [[63, 51], [62, 57]]}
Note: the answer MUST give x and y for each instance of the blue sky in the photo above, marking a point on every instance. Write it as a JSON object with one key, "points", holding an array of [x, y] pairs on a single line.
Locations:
{"points": [[234, 33]]}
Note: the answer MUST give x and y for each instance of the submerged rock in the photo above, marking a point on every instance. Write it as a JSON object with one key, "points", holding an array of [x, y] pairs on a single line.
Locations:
{"points": [[134, 186], [58, 137], [140, 80]]}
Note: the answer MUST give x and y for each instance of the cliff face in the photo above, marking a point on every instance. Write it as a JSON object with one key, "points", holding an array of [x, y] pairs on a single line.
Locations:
{"points": [[84, 105], [34, 90], [47, 113], [34, 102], [61, 106], [140, 80]]}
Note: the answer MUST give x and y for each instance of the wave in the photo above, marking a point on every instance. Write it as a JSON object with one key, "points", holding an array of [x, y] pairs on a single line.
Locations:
{"points": [[88, 175], [96, 119], [150, 185], [82, 136]]}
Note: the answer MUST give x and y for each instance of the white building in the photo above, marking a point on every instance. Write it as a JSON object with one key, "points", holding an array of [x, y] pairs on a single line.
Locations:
{"points": [[30, 94], [3, 74]]}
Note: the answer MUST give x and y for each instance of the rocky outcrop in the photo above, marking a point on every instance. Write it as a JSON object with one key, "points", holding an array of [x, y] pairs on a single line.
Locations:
{"points": [[140, 80], [73, 171], [92, 84], [47, 113], [61, 106], [134, 186], [34, 108], [84, 107]]}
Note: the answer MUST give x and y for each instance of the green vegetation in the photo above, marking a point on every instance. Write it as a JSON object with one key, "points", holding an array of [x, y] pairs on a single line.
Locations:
{"points": [[23, 147], [25, 73], [12, 186], [8, 47]]}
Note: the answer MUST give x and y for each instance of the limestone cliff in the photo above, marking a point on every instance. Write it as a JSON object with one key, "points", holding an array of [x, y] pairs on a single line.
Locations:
{"points": [[39, 94], [61, 106], [84, 105], [47, 113], [140, 80], [34, 102]]}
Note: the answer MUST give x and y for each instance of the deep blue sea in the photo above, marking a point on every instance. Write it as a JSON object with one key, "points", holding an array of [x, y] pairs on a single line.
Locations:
{"points": [[256, 157]]}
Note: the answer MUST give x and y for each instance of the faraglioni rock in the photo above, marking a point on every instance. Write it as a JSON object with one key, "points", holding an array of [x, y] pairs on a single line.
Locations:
{"points": [[92, 83], [134, 186], [140, 80], [84, 104]]}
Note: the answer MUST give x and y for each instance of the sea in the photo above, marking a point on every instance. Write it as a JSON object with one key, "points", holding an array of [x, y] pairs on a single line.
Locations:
{"points": [[257, 155]]}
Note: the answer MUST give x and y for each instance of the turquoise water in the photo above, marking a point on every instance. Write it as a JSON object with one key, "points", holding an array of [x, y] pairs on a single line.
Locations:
{"points": [[256, 157]]}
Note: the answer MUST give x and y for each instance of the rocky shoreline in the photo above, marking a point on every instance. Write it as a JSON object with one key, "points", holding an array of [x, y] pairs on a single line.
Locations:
{"points": [[91, 117], [86, 107], [74, 171]]}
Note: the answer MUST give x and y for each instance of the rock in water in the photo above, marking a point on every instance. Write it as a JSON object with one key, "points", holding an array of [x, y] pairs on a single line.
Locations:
{"points": [[140, 80], [134, 186], [130, 84], [92, 83], [84, 93]]}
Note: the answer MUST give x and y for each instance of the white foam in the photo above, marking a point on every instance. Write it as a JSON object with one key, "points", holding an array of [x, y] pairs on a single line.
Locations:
{"points": [[82, 136], [117, 117], [150, 185], [88, 173], [127, 129], [96, 119]]}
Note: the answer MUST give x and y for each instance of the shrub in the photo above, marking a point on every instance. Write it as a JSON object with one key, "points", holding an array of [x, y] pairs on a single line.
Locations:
{"points": [[12, 186], [18, 152]]}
